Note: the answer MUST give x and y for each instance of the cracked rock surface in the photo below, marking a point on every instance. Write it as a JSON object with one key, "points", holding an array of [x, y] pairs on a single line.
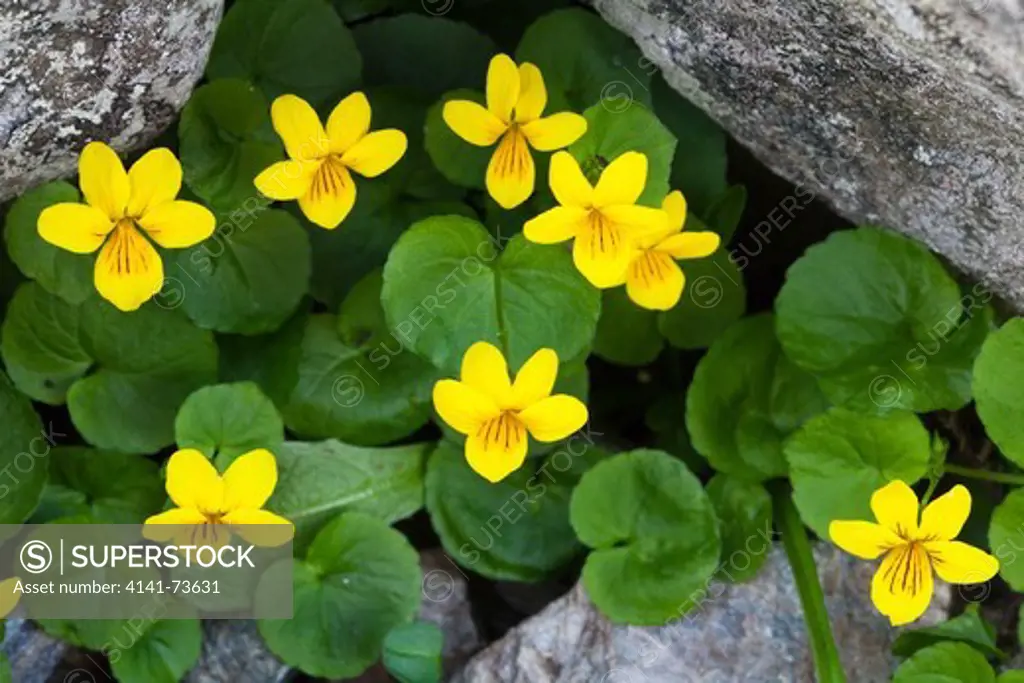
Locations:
{"points": [[908, 113], [72, 71]]}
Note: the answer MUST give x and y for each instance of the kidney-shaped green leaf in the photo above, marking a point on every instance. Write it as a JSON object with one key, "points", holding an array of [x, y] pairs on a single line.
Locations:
{"points": [[227, 420], [999, 388], [654, 533], [24, 445]]}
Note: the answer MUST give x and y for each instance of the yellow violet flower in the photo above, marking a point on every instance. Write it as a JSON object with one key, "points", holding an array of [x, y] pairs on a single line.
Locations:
{"points": [[654, 280], [516, 98], [211, 506], [318, 170], [902, 587], [604, 220], [495, 413], [121, 210]]}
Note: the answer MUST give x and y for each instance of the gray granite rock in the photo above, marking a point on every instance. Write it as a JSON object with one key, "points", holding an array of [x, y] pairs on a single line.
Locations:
{"points": [[37, 657], [743, 633], [72, 71], [234, 651], [905, 112]]}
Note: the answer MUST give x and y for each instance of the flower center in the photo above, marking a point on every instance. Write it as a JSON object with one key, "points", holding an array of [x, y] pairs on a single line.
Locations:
{"points": [[512, 158], [331, 178], [604, 237], [651, 266], [906, 573], [503, 432]]}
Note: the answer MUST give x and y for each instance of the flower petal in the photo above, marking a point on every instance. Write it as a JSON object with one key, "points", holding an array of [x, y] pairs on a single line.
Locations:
{"points": [[103, 181], [502, 86], [79, 228], [484, 368], [957, 562], [249, 480], [865, 540], [533, 96], [903, 585], [128, 271], [155, 179], [260, 527], [299, 127], [497, 448], [944, 517], [173, 524], [602, 254], [511, 173], [286, 180], [556, 225], [555, 131], [8, 596], [555, 417], [462, 407], [473, 122], [895, 507], [349, 122], [331, 195], [674, 205], [622, 181], [535, 380], [193, 482], [638, 220], [654, 281], [178, 224], [376, 152], [688, 245], [567, 181]]}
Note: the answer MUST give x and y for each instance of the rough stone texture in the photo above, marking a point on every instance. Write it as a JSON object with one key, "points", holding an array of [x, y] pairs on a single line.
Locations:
{"points": [[909, 113], [234, 651], [745, 633], [37, 657], [72, 71], [446, 603]]}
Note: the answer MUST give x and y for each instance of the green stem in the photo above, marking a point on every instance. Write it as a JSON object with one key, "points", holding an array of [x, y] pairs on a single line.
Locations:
{"points": [[933, 481], [798, 550], [985, 475]]}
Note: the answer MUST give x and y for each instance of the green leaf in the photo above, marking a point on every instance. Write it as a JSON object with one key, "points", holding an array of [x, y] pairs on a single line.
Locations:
{"points": [[23, 446], [60, 272], [998, 391], [316, 481], [41, 344], [446, 287], [699, 166], [626, 334], [228, 420], [341, 258], [744, 512], [359, 580], [359, 384], [654, 533], [412, 652], [945, 662], [457, 160], [1013, 676], [881, 324], [611, 134], [163, 653], [428, 54], [586, 62], [515, 530], [968, 628], [269, 360], [299, 47], [1004, 537], [245, 282], [839, 458], [145, 364], [715, 297], [226, 140], [81, 485], [746, 398]]}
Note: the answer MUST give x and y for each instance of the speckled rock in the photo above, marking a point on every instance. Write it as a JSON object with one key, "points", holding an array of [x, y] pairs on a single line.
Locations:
{"points": [[909, 113], [235, 651], [72, 71], [744, 633]]}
